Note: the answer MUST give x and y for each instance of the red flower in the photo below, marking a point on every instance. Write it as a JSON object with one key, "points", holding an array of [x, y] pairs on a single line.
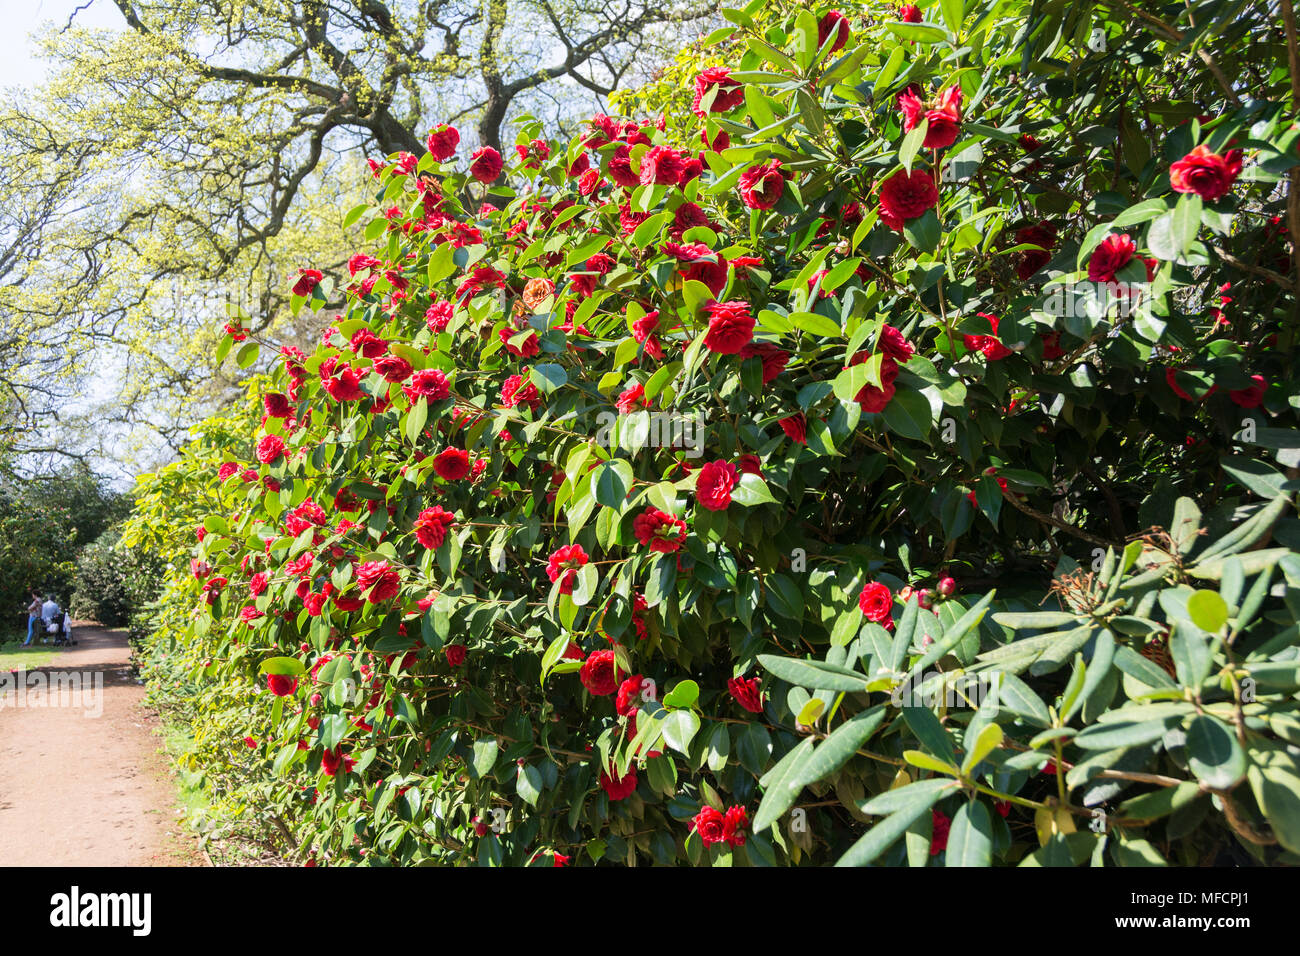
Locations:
{"points": [[910, 13], [393, 368], [795, 428], [442, 142], [380, 579], [731, 327], [598, 674], [662, 166], [343, 384], [331, 760], [659, 530], [944, 121], [1031, 260], [746, 693], [1207, 174], [565, 561], [485, 165], [714, 484], [628, 698], [940, 824], [762, 186], [269, 448], [774, 359], [632, 399], [734, 822], [276, 405], [1114, 252], [452, 464], [904, 197], [750, 465], [428, 383], [877, 604], [894, 345], [281, 685], [308, 279], [455, 654], [431, 526], [835, 23], [1253, 396], [620, 788], [987, 344], [730, 93], [710, 825]]}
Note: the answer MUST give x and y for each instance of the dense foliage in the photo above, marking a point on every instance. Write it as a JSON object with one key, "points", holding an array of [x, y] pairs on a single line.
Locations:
{"points": [[901, 473], [44, 523]]}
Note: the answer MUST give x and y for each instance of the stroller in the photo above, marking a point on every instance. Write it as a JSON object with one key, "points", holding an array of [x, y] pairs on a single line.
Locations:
{"points": [[60, 629]]}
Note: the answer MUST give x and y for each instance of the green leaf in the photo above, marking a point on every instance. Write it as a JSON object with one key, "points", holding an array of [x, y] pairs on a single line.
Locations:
{"points": [[685, 694], [908, 414], [817, 675], [836, 750], [1213, 752], [970, 838], [780, 785], [283, 666], [680, 728], [913, 801], [988, 740]]}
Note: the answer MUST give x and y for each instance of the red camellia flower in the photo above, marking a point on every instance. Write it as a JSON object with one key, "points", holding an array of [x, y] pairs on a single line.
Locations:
{"points": [[944, 121], [485, 165], [628, 698], [428, 383], [455, 654], [941, 823], [632, 399], [734, 823], [343, 384], [762, 186], [1113, 254], [331, 760], [731, 327], [833, 22], [746, 693], [714, 484], [598, 674], [393, 368], [269, 448], [276, 405], [308, 279], [661, 166], [710, 825], [566, 561], [431, 526], [659, 530], [795, 428], [281, 685], [1031, 260], [619, 788], [1253, 396], [442, 142], [910, 13], [877, 604], [989, 345], [906, 196], [895, 346], [730, 93], [452, 464], [380, 579], [774, 359], [1207, 174]]}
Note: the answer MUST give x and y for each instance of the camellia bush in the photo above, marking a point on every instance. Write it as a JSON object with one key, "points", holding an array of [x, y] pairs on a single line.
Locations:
{"points": [[887, 456]]}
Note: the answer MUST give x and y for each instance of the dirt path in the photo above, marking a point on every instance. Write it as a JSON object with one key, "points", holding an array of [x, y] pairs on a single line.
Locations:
{"points": [[78, 789]]}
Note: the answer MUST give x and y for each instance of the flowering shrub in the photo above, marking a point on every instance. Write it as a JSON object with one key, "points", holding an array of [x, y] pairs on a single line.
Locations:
{"points": [[640, 505]]}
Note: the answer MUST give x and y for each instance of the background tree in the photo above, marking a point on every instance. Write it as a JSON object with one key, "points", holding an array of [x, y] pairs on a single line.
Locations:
{"points": [[188, 159]]}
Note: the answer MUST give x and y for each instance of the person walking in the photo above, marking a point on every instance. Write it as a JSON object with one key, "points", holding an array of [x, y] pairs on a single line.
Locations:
{"points": [[33, 615]]}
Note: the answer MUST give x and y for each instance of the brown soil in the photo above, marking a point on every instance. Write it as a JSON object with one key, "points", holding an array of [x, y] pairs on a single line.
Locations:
{"points": [[80, 790]]}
